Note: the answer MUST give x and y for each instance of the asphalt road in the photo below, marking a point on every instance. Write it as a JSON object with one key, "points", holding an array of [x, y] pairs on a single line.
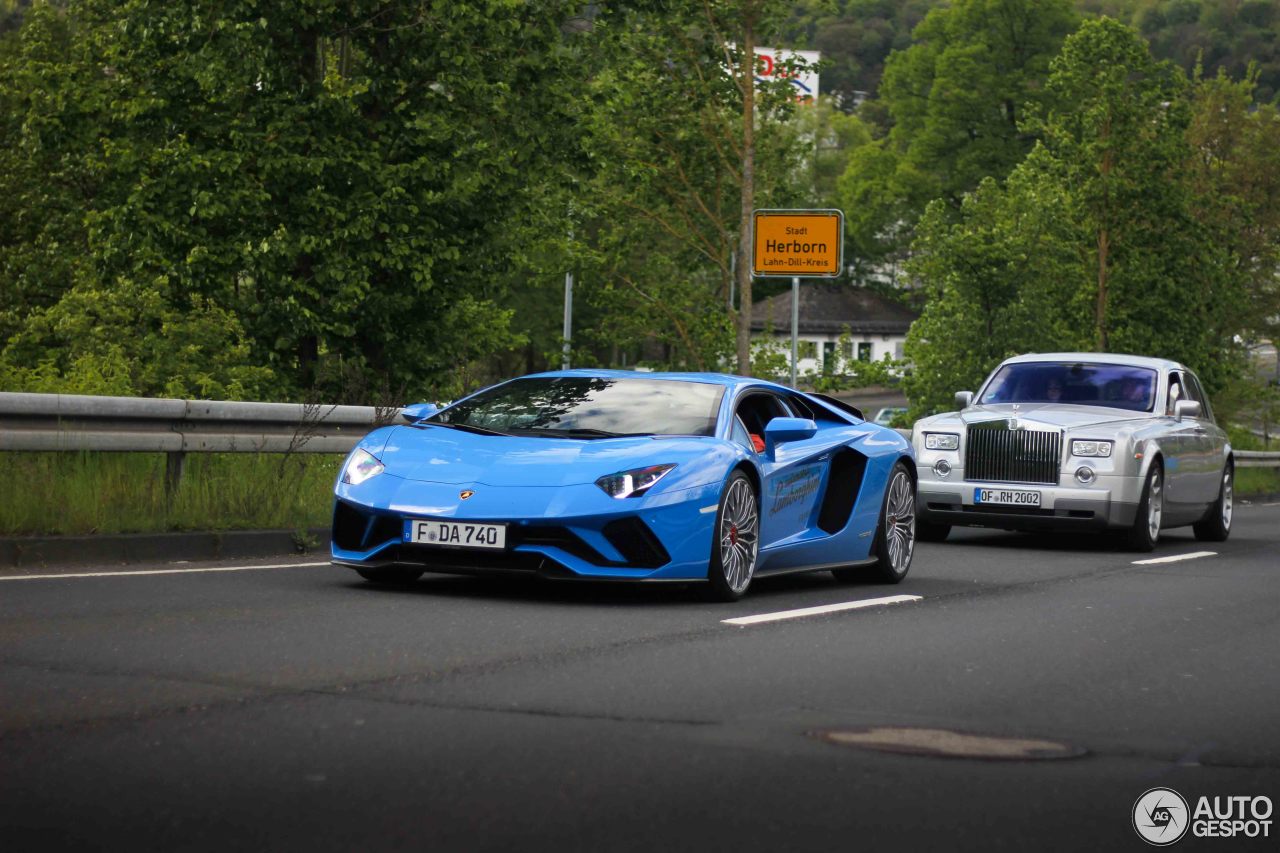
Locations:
{"points": [[298, 708]]}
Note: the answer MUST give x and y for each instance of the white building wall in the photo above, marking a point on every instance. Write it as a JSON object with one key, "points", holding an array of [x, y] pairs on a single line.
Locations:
{"points": [[881, 345]]}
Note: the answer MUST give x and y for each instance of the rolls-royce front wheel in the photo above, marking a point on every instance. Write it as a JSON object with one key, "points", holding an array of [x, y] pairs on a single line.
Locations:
{"points": [[1216, 526], [1145, 532]]}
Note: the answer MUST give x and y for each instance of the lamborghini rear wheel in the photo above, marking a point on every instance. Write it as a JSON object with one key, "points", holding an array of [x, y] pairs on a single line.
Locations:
{"points": [[895, 533], [737, 541]]}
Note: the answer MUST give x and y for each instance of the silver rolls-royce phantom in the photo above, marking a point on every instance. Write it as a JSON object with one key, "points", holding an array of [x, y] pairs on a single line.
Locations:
{"points": [[1077, 441]]}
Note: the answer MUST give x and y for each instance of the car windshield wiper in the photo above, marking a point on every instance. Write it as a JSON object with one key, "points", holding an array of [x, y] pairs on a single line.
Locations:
{"points": [[584, 432], [478, 430]]}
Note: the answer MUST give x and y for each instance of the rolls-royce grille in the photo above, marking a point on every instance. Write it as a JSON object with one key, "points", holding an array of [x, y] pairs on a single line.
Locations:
{"points": [[995, 453]]}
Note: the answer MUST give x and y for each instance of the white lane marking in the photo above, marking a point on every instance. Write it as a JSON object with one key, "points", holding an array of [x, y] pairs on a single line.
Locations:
{"points": [[159, 572], [817, 611], [1176, 558]]}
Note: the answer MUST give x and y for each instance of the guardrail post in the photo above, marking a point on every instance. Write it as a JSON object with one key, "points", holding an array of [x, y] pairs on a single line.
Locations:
{"points": [[175, 463]]}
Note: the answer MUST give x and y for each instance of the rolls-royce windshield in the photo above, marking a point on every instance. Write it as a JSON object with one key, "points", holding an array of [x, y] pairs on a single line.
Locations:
{"points": [[1116, 386]]}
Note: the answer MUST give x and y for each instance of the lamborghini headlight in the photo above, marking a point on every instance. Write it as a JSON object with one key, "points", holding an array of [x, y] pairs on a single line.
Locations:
{"points": [[361, 465], [633, 483], [1091, 448]]}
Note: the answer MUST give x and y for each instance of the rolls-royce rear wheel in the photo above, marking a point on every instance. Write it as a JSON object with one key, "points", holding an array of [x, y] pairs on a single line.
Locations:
{"points": [[1145, 532], [1216, 526]]}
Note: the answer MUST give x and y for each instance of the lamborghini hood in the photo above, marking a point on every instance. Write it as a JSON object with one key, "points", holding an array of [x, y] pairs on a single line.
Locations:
{"points": [[442, 455]]}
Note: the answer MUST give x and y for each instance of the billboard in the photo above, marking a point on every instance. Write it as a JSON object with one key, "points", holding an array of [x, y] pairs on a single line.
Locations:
{"points": [[770, 67]]}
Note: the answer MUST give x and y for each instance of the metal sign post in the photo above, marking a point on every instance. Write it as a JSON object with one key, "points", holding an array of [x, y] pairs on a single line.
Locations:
{"points": [[795, 326], [794, 242]]}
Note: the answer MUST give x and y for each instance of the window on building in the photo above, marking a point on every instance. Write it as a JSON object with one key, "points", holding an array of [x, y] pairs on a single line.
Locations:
{"points": [[807, 349], [864, 351]]}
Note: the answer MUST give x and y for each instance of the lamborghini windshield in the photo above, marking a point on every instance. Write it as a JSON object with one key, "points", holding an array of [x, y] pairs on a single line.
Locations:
{"points": [[589, 407], [1116, 386]]}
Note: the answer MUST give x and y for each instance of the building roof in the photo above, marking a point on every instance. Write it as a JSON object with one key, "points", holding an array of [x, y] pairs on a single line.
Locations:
{"points": [[827, 309]]}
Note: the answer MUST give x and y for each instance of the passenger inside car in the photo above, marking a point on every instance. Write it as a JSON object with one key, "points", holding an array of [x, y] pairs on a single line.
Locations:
{"points": [[755, 412]]}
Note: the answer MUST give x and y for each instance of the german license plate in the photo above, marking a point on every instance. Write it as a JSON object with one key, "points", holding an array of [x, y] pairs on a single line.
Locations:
{"points": [[1011, 497], [455, 534]]}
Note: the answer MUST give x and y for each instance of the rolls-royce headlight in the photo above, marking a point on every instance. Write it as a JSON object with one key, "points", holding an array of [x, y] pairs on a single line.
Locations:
{"points": [[941, 441], [361, 465], [1091, 448]]}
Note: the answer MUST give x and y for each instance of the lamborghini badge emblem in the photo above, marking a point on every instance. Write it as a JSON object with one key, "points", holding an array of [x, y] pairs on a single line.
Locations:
{"points": [[465, 493]]}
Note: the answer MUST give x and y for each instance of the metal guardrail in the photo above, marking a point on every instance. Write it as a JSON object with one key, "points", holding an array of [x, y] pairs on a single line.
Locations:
{"points": [[61, 422], [177, 427], [1257, 458], [71, 422]]}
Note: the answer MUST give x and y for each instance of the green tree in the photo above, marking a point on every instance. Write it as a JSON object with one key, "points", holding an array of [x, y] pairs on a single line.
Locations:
{"points": [[1094, 243], [956, 98], [658, 201], [855, 38], [1218, 36], [1119, 142], [331, 180], [1235, 174], [1000, 279]]}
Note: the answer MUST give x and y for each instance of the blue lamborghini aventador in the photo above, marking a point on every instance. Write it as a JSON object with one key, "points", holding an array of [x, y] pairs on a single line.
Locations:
{"points": [[629, 476]]}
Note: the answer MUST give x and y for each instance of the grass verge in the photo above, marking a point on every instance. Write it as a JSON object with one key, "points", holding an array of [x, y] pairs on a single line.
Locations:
{"points": [[1257, 481], [85, 493], [82, 493], [1254, 481]]}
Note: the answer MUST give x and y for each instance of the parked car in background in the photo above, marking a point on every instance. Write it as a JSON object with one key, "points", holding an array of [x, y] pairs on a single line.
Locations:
{"points": [[623, 476], [885, 416], [1065, 441]]}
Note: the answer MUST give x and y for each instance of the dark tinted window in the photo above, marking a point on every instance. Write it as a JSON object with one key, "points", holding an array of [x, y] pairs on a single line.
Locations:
{"points": [[579, 404], [758, 408], [1113, 385]]}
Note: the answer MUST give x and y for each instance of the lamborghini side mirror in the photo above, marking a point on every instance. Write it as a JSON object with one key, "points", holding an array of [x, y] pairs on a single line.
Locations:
{"points": [[418, 411]]}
